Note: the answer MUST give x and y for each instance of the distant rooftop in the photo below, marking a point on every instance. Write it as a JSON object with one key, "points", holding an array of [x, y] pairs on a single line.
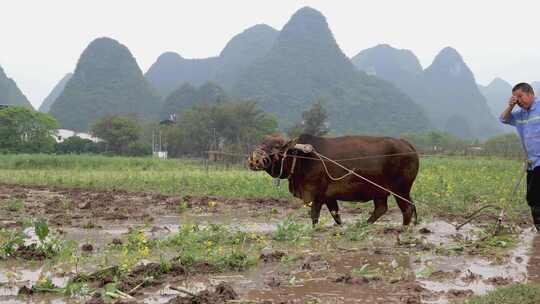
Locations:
{"points": [[63, 134]]}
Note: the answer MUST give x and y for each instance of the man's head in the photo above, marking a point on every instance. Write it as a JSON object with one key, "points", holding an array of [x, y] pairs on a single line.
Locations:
{"points": [[524, 94]]}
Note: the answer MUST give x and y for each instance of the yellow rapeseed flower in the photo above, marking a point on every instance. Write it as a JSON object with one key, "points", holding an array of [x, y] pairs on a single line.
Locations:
{"points": [[144, 252], [141, 237], [42, 279], [124, 266]]}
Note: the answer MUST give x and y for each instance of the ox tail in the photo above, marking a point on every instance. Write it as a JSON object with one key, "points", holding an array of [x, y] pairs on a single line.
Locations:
{"points": [[413, 149]]}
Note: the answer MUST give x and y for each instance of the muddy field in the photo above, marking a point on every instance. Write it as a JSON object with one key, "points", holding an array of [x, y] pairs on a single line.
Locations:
{"points": [[137, 242]]}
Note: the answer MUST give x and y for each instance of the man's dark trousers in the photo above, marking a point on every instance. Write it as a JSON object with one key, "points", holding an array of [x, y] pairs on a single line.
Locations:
{"points": [[533, 195]]}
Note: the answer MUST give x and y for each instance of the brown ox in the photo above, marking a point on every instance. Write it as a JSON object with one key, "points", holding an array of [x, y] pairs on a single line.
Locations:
{"points": [[389, 162]]}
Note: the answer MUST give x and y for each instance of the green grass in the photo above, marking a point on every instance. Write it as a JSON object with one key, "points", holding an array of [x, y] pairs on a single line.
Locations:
{"points": [[9, 241], [221, 248], [454, 185], [14, 205], [458, 185], [291, 230], [515, 294], [49, 246], [181, 207], [448, 185], [89, 162], [184, 177], [359, 231]]}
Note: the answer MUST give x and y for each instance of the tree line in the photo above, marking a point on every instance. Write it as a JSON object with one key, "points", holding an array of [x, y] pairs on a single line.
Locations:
{"points": [[226, 127]]}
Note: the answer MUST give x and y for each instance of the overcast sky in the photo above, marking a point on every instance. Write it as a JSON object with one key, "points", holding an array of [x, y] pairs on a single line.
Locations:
{"points": [[41, 40]]}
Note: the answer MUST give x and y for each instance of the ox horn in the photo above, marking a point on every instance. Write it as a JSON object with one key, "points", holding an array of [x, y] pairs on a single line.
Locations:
{"points": [[306, 148]]}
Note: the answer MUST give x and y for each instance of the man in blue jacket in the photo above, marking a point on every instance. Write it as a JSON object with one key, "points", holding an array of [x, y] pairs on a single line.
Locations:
{"points": [[526, 119]]}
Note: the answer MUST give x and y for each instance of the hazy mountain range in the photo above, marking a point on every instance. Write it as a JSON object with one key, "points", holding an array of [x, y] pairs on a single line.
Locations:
{"points": [[57, 90], [447, 89], [107, 80], [9, 92], [171, 70], [381, 90]]}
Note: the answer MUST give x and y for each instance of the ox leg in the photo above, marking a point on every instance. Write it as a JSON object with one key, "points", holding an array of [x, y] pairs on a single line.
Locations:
{"points": [[407, 210], [315, 211], [334, 210], [381, 205]]}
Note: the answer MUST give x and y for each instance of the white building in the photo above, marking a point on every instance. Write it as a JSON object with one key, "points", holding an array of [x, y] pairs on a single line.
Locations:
{"points": [[63, 134]]}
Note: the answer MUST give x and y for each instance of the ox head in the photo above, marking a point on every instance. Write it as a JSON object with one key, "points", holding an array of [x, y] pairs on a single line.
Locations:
{"points": [[269, 154]]}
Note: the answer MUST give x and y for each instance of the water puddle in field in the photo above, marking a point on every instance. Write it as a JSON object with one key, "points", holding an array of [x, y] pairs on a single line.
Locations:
{"points": [[172, 223], [323, 280], [450, 277], [443, 233], [164, 294], [14, 277], [395, 275], [328, 280], [163, 226], [102, 234], [533, 265]]}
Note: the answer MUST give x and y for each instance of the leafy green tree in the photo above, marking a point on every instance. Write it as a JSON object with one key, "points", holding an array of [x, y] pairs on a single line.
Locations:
{"points": [[508, 145], [76, 145], [314, 122], [139, 149], [234, 127], [295, 131], [118, 132], [23, 130]]}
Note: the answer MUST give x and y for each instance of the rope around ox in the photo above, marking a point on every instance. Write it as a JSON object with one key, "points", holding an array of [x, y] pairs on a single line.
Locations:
{"points": [[322, 158], [309, 149], [351, 172]]}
